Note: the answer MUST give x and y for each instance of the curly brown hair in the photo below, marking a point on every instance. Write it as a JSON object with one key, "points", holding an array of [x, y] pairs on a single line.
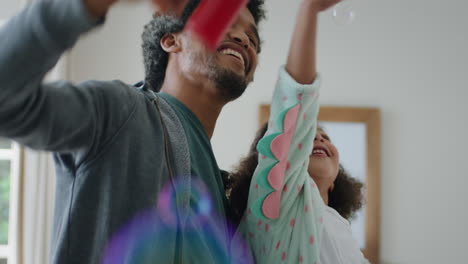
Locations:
{"points": [[346, 197]]}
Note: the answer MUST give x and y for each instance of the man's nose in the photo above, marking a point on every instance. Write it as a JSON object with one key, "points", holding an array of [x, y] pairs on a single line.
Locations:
{"points": [[239, 36]]}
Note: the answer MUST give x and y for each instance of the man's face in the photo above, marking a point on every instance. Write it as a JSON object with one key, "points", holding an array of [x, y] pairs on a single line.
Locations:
{"points": [[232, 66]]}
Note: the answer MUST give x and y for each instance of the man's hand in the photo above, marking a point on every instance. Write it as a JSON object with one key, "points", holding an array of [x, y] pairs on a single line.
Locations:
{"points": [[98, 8], [175, 7]]}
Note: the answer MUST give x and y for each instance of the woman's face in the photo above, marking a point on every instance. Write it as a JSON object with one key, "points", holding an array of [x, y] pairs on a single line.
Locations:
{"points": [[323, 161]]}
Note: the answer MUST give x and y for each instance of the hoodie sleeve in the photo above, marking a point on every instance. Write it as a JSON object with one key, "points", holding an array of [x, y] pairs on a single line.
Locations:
{"points": [[58, 116]]}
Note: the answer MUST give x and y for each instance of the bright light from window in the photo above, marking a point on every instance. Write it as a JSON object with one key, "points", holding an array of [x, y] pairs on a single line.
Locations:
{"points": [[9, 160]]}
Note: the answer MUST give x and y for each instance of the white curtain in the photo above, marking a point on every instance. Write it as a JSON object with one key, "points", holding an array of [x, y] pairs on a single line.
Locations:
{"points": [[37, 207]]}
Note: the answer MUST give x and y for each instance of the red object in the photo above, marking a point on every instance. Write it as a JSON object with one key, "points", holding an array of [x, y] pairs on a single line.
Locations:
{"points": [[212, 19]]}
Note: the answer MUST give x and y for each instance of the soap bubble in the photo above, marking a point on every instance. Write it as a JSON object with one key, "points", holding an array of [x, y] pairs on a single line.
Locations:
{"points": [[200, 201], [343, 13], [168, 232]]}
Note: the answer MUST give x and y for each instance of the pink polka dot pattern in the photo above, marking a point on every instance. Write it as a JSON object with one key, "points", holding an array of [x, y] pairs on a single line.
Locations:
{"points": [[306, 208], [311, 240], [285, 98], [251, 235], [283, 256], [299, 146], [256, 186], [292, 222], [267, 227], [321, 219], [299, 97], [278, 244], [285, 188], [301, 259]]}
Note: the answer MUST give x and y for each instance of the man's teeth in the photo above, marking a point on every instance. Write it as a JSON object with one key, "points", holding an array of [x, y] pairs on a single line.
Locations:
{"points": [[234, 53]]}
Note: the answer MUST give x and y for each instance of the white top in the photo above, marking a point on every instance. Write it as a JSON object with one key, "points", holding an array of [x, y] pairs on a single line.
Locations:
{"points": [[338, 245]]}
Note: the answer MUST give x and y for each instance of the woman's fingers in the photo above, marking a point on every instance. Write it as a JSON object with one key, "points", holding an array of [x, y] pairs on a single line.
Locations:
{"points": [[322, 5]]}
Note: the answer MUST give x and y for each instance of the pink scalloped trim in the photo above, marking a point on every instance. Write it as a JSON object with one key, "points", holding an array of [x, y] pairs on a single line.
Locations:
{"points": [[280, 147], [276, 175], [270, 206]]}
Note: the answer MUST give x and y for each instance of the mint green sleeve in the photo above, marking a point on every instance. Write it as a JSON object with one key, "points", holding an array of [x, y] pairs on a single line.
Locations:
{"points": [[283, 222]]}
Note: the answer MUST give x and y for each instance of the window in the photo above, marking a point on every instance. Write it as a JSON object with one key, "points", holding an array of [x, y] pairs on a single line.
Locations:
{"points": [[9, 171]]}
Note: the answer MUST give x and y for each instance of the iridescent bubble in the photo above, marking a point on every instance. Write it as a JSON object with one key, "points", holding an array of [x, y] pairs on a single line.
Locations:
{"points": [[165, 234], [343, 13], [126, 243], [174, 193]]}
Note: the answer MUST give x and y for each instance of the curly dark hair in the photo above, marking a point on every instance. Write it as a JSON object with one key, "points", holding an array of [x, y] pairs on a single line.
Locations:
{"points": [[155, 58], [346, 197]]}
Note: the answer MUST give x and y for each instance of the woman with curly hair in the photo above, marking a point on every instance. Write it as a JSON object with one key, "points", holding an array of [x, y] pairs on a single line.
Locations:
{"points": [[292, 177]]}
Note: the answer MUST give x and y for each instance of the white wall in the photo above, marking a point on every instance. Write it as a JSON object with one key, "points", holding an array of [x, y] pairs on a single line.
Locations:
{"points": [[409, 58]]}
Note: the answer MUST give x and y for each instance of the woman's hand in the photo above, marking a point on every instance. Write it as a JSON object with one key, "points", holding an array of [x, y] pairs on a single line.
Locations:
{"points": [[302, 51], [321, 5]]}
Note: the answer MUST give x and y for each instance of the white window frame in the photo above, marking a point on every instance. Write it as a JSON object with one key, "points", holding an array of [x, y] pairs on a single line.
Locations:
{"points": [[9, 251]]}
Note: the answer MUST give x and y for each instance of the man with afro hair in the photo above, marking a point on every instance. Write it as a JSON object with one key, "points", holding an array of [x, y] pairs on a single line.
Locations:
{"points": [[118, 147]]}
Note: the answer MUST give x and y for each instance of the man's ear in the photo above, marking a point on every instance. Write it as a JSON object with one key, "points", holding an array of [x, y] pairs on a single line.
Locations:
{"points": [[171, 43]]}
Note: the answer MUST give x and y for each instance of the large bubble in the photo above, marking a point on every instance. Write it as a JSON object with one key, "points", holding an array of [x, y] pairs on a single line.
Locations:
{"points": [[168, 233]]}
